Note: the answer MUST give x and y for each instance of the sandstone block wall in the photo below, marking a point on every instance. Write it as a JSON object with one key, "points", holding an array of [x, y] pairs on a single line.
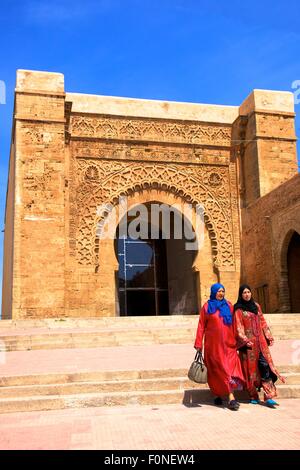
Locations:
{"points": [[268, 225], [72, 153]]}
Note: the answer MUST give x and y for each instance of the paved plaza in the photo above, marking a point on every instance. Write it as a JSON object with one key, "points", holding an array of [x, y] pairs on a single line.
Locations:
{"points": [[160, 427], [163, 427]]}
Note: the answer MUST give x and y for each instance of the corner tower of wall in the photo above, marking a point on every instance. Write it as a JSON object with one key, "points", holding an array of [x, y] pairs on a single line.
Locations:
{"points": [[37, 267], [268, 155], [266, 149]]}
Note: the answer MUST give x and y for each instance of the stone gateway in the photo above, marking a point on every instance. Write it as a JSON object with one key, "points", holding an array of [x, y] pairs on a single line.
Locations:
{"points": [[72, 154]]}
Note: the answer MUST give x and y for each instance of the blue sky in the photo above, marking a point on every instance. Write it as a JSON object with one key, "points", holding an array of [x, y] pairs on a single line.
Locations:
{"points": [[181, 50]]}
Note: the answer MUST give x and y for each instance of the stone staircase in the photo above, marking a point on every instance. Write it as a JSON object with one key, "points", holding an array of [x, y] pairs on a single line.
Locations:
{"points": [[111, 388], [22, 335], [97, 332], [164, 383]]}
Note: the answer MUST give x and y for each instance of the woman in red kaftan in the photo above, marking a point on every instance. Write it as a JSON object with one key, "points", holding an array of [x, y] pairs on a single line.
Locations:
{"points": [[224, 373], [253, 337]]}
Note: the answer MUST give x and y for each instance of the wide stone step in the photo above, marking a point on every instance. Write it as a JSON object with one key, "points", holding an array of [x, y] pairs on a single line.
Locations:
{"points": [[44, 403], [172, 383], [292, 379], [94, 376], [290, 370], [146, 322], [286, 327], [104, 338], [24, 335], [58, 391], [101, 322], [157, 384], [116, 337], [188, 397], [281, 333]]}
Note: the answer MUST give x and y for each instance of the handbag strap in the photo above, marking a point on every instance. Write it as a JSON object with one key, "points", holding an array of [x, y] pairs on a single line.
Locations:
{"points": [[199, 357]]}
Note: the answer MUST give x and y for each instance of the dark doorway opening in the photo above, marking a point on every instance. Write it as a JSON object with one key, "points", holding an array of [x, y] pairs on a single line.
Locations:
{"points": [[156, 275], [293, 263], [143, 277]]}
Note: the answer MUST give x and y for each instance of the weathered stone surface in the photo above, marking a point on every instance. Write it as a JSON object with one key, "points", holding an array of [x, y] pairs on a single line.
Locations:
{"points": [[72, 153], [119, 331], [268, 226]]}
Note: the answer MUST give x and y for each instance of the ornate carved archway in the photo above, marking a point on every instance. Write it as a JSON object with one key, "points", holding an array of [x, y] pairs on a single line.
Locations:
{"points": [[104, 182]]}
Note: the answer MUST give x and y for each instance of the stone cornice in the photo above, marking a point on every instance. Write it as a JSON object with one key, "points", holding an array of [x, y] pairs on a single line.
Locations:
{"points": [[136, 107], [272, 113], [58, 94], [31, 118]]}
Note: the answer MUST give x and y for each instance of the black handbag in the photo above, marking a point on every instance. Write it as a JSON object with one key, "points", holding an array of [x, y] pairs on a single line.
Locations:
{"points": [[198, 372]]}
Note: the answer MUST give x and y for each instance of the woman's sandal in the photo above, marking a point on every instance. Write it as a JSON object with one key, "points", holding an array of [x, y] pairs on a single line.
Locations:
{"points": [[233, 405], [271, 403]]}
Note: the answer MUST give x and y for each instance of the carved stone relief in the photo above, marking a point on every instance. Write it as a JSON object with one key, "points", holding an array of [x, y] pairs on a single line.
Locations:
{"points": [[150, 152], [103, 181], [150, 130]]}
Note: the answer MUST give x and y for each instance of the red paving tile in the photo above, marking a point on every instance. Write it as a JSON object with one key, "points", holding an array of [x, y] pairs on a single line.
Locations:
{"points": [[165, 427]]}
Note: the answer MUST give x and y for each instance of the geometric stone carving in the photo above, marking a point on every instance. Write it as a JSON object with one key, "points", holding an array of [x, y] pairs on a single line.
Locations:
{"points": [[214, 179], [92, 173], [118, 178], [149, 130], [151, 152]]}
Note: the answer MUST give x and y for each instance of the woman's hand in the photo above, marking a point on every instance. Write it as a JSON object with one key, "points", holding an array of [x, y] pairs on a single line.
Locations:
{"points": [[271, 341], [249, 344]]}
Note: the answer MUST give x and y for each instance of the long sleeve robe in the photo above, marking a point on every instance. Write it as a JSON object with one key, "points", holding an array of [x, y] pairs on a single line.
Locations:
{"points": [[253, 327], [224, 373]]}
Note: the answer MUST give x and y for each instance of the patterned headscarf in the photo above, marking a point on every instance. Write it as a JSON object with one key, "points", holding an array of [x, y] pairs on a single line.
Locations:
{"points": [[221, 305]]}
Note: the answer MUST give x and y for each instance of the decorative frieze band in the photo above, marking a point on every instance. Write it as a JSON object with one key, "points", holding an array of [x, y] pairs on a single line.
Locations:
{"points": [[150, 130], [149, 153]]}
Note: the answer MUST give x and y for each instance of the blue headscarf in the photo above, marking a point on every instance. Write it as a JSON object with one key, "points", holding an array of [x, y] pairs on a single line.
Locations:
{"points": [[221, 305]]}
